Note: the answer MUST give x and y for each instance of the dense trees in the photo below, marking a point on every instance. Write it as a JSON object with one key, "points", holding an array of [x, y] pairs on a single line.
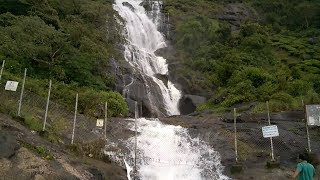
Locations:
{"points": [[69, 41], [273, 56]]}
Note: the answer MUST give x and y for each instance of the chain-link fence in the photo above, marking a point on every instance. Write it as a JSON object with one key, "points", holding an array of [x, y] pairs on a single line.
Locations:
{"points": [[59, 117], [253, 147]]}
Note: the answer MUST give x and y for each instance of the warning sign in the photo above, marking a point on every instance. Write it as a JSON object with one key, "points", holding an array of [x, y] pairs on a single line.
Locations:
{"points": [[313, 115], [99, 122], [270, 131], [11, 86]]}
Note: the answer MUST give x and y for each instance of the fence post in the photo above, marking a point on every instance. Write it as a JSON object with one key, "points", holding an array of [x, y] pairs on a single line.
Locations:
{"points": [[2, 67], [140, 108], [22, 89], [135, 138], [235, 133], [47, 106], [75, 118], [271, 142], [105, 120], [306, 124]]}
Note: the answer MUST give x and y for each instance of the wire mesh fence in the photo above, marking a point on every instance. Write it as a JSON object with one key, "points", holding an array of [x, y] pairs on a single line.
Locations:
{"points": [[59, 117], [254, 147]]}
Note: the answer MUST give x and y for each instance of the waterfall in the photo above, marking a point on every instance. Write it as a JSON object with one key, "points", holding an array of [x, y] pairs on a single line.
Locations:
{"points": [[164, 152], [143, 40], [167, 152]]}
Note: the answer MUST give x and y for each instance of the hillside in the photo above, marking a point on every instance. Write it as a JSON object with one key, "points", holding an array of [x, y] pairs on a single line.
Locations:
{"points": [[70, 42], [221, 53], [234, 52], [26, 155], [230, 52]]}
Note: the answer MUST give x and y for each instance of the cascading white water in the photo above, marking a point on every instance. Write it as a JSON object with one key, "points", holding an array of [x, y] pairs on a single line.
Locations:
{"points": [[167, 152], [143, 41]]}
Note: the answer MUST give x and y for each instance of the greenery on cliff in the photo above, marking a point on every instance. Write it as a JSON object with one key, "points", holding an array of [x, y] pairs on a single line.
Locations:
{"points": [[274, 55], [68, 41]]}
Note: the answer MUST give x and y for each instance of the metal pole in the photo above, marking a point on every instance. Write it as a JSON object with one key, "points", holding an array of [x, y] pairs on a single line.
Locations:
{"points": [[22, 89], [75, 118], [271, 142], [308, 136], [105, 120], [135, 139], [307, 127], [47, 107], [2, 67], [140, 108], [235, 133]]}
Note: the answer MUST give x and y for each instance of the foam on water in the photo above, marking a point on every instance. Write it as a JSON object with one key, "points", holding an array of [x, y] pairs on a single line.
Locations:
{"points": [[167, 152]]}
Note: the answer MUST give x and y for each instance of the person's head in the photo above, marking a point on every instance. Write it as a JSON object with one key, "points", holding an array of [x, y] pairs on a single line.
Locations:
{"points": [[303, 157]]}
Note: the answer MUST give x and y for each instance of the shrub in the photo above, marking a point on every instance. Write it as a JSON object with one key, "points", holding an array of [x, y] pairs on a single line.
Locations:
{"points": [[298, 87]]}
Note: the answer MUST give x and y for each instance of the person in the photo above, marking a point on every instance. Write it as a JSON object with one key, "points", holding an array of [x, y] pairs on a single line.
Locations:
{"points": [[305, 170]]}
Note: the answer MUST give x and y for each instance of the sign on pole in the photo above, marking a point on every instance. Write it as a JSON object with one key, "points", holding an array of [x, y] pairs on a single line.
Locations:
{"points": [[313, 115], [11, 86], [270, 131], [100, 122]]}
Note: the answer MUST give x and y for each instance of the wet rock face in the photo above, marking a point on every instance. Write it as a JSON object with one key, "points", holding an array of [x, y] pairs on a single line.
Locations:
{"points": [[133, 88], [164, 24], [128, 5], [189, 103]]}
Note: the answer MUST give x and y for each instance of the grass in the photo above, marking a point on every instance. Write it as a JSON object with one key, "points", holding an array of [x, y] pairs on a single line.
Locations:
{"points": [[93, 150], [40, 150]]}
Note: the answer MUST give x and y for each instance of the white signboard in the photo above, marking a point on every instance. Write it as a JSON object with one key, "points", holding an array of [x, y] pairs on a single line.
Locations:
{"points": [[99, 122], [313, 115], [270, 131], [11, 86]]}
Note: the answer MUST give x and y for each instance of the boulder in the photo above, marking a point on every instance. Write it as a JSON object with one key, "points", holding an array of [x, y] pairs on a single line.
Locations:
{"points": [[8, 145], [163, 78], [189, 103], [128, 5]]}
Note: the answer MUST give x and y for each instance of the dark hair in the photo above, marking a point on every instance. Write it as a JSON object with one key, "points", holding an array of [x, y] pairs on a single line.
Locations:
{"points": [[303, 157]]}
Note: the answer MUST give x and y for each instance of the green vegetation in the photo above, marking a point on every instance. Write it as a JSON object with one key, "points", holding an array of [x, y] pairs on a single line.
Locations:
{"points": [[41, 151], [273, 56], [68, 41], [93, 150]]}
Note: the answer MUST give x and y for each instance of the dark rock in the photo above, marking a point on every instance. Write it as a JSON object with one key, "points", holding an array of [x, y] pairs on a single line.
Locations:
{"points": [[97, 175], [313, 40], [231, 120], [163, 78], [189, 103], [135, 86], [279, 116], [273, 164], [8, 145], [128, 5], [236, 168], [147, 5], [44, 134], [235, 14], [186, 106], [168, 53]]}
